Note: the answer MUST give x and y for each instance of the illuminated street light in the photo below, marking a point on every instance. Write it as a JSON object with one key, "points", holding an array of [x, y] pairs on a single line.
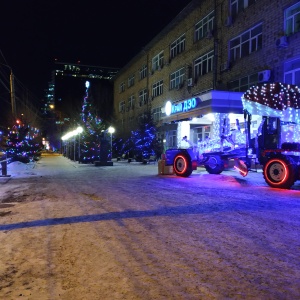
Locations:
{"points": [[71, 134], [111, 130], [79, 131]]}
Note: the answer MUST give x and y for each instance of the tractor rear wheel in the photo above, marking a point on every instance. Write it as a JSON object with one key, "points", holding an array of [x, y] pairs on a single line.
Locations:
{"points": [[279, 172]]}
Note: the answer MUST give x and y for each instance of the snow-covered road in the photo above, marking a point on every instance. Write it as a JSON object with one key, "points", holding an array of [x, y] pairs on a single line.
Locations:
{"points": [[70, 231]]}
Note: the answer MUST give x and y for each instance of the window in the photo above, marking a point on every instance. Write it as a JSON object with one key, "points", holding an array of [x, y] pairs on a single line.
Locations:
{"points": [[143, 97], [157, 88], [202, 133], [122, 87], [177, 46], [130, 102], [156, 112], [292, 72], [204, 26], [246, 43], [203, 64], [171, 138], [292, 19], [237, 6], [157, 61], [244, 83], [176, 79], [143, 72], [131, 81], [122, 106]]}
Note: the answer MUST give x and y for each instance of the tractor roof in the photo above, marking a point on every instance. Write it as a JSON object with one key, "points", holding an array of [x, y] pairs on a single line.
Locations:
{"points": [[274, 100]]}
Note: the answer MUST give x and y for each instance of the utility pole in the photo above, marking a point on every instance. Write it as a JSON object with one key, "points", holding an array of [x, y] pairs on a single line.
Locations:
{"points": [[215, 37], [12, 94]]}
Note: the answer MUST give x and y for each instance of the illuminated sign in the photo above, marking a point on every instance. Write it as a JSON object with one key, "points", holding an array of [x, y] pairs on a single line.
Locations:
{"points": [[183, 106]]}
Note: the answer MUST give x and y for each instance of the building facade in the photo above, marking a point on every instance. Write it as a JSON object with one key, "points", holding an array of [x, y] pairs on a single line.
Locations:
{"points": [[192, 75]]}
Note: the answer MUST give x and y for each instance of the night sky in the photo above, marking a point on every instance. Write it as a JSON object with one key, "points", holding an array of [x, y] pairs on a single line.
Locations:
{"points": [[94, 32]]}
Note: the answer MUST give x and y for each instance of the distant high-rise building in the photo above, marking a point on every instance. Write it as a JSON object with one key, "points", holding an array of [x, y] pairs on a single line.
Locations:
{"points": [[65, 94]]}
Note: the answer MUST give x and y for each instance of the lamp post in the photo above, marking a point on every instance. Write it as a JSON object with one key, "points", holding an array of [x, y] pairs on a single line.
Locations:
{"points": [[74, 147], [73, 133], [12, 91], [111, 130], [79, 131]]}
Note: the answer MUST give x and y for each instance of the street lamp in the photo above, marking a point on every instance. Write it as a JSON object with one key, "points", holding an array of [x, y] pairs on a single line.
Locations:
{"points": [[73, 133], [111, 130], [79, 131]]}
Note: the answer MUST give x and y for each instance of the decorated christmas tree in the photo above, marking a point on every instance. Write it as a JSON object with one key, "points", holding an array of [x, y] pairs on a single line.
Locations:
{"points": [[23, 142], [93, 136], [143, 142]]}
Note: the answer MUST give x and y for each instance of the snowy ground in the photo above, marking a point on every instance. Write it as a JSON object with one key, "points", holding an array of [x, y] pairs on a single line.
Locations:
{"points": [[70, 231]]}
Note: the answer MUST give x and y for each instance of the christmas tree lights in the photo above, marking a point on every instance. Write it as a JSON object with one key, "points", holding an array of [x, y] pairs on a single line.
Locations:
{"points": [[143, 142], [23, 142], [94, 130], [274, 100]]}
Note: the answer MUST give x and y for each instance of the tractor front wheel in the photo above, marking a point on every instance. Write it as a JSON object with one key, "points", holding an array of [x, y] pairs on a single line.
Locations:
{"points": [[214, 165], [182, 165]]}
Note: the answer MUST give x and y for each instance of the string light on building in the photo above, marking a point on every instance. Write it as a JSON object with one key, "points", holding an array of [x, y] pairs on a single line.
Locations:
{"points": [[273, 99]]}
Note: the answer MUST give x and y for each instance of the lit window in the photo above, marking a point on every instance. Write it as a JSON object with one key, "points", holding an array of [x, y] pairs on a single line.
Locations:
{"points": [[204, 26], [237, 6], [203, 64], [176, 78], [122, 87], [143, 97], [292, 72], [171, 139], [157, 88], [292, 19], [177, 46], [244, 83], [143, 72], [130, 102], [157, 61], [246, 43], [131, 81]]}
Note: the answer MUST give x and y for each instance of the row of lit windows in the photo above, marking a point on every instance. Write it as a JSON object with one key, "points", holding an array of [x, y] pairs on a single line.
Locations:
{"points": [[240, 46], [291, 75], [176, 47]]}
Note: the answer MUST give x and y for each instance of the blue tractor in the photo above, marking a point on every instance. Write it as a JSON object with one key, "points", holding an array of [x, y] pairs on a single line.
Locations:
{"points": [[276, 145]]}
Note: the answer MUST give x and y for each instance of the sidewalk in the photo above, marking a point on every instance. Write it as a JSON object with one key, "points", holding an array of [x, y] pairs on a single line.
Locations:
{"points": [[18, 168]]}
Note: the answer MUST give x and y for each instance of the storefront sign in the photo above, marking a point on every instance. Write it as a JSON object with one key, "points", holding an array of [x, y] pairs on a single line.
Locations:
{"points": [[183, 106]]}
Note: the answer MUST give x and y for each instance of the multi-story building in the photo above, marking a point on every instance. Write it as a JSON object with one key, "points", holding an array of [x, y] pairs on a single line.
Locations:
{"points": [[193, 73]]}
